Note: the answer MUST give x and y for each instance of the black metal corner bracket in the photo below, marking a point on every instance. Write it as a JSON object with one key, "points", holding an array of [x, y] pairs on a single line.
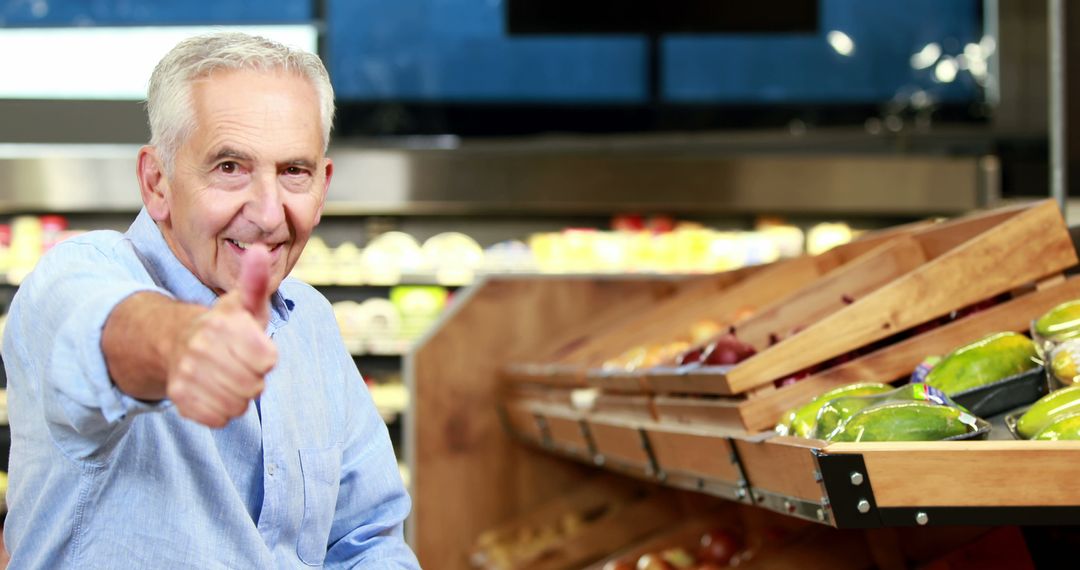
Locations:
{"points": [[848, 491]]}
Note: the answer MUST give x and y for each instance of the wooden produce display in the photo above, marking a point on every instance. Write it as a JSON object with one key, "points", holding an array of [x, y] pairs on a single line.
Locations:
{"points": [[599, 516], [482, 385], [723, 299]]}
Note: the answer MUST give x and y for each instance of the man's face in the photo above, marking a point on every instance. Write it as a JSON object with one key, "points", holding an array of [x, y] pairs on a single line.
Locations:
{"points": [[251, 171]]}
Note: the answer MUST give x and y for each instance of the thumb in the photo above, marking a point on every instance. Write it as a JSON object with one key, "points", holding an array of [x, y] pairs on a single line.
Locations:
{"points": [[254, 281]]}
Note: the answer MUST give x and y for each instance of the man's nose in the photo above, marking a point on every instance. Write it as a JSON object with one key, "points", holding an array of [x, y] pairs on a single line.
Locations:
{"points": [[265, 207]]}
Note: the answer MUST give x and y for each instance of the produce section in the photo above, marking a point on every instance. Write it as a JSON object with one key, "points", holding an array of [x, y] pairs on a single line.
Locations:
{"points": [[950, 305]]}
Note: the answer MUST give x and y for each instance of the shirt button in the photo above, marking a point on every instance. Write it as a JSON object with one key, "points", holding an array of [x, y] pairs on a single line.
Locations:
{"points": [[270, 469]]}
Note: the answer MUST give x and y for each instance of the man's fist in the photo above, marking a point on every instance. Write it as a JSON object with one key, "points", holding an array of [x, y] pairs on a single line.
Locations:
{"points": [[220, 361]]}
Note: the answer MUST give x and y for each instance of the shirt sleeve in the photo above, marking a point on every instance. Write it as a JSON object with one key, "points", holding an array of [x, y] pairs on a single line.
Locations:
{"points": [[53, 334], [372, 501]]}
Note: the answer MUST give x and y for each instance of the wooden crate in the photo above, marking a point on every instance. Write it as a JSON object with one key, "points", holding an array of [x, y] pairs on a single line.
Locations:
{"points": [[722, 298], [600, 516], [886, 364], [967, 260]]}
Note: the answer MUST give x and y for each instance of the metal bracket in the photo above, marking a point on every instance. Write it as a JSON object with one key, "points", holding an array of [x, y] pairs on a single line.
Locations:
{"points": [[546, 440], [653, 468], [792, 506], [744, 493], [848, 491], [715, 487], [587, 435]]}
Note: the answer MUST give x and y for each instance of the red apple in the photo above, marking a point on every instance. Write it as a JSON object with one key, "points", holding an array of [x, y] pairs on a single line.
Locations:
{"points": [[727, 350], [691, 356], [719, 546]]}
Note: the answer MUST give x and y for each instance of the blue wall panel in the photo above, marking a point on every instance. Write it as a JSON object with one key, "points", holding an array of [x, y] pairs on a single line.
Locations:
{"points": [[805, 69], [457, 50], [149, 12]]}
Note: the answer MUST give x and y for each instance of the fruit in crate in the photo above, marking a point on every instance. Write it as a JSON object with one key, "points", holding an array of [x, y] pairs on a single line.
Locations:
{"points": [[983, 362], [718, 546], [678, 557], [1062, 427], [1064, 359], [653, 561], [1050, 406], [703, 330], [907, 421], [802, 420], [1060, 323], [726, 350], [629, 360]]}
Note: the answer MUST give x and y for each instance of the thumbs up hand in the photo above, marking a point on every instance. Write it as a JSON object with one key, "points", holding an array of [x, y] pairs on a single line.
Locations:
{"points": [[220, 362]]}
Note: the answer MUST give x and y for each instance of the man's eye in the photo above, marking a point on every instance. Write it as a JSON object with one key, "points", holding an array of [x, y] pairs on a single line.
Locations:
{"points": [[228, 167], [295, 171]]}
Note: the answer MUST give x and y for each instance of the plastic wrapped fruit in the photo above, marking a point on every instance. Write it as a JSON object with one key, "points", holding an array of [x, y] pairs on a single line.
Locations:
{"points": [[1041, 413], [983, 362], [907, 421], [802, 420], [1057, 325], [1063, 427], [1063, 361]]}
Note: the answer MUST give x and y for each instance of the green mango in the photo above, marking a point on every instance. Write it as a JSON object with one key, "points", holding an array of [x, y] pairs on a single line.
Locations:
{"points": [[786, 421], [1049, 407], [805, 418], [906, 421], [1066, 426], [983, 362], [1060, 323]]}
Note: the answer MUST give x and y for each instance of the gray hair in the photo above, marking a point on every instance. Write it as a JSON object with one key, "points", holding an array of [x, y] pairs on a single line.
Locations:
{"points": [[168, 102]]}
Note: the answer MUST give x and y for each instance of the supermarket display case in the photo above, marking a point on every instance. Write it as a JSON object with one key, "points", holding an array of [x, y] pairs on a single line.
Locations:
{"points": [[509, 432]]}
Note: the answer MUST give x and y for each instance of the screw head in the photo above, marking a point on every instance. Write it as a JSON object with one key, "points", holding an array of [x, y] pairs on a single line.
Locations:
{"points": [[922, 518], [599, 460], [857, 478], [821, 515], [741, 493], [863, 505]]}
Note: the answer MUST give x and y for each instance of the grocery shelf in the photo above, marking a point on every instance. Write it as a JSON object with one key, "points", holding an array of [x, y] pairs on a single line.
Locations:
{"points": [[515, 357], [844, 485]]}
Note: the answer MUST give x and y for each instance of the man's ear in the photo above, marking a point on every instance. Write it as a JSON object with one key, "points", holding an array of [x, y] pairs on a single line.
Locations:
{"points": [[153, 185], [328, 170]]}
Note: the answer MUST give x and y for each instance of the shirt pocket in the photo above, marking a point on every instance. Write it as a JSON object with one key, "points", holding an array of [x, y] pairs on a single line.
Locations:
{"points": [[321, 469]]}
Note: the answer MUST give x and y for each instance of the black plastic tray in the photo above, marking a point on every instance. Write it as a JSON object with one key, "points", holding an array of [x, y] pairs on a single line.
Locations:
{"points": [[1003, 395], [1011, 418]]}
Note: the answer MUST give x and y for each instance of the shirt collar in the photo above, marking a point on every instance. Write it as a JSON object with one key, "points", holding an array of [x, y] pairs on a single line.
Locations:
{"points": [[170, 274]]}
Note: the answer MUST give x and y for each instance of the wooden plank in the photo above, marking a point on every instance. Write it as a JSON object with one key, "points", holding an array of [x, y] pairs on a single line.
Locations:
{"points": [[567, 435], [970, 474], [832, 292], [895, 361], [454, 437], [686, 534], [674, 319], [781, 465], [523, 422], [693, 454], [696, 411], [615, 530], [625, 406], [619, 442], [1023, 248]]}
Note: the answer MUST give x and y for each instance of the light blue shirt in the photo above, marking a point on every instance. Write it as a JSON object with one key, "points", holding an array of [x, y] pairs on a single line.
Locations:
{"points": [[101, 480]]}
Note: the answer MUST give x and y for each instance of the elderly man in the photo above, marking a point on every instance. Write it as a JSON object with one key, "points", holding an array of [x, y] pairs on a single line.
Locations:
{"points": [[175, 401]]}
